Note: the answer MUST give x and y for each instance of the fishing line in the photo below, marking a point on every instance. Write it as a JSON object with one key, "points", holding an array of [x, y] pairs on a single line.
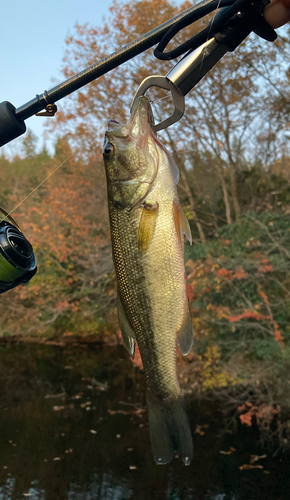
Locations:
{"points": [[159, 99], [37, 187], [46, 178]]}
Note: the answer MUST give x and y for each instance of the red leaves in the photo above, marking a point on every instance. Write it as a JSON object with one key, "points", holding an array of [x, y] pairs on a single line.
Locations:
{"points": [[264, 296], [262, 413], [246, 418], [277, 334], [264, 267], [239, 274], [224, 273], [63, 305], [260, 317], [249, 315], [267, 269], [209, 282], [189, 292]]}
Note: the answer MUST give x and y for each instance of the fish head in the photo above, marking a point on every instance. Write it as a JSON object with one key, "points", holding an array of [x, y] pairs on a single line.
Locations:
{"points": [[130, 157]]}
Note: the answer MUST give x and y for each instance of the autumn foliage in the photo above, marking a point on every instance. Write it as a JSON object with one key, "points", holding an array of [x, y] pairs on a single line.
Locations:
{"points": [[232, 151]]}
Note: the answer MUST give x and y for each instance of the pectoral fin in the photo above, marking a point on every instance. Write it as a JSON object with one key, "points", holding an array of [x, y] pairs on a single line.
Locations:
{"points": [[147, 226], [181, 223], [185, 335], [126, 330]]}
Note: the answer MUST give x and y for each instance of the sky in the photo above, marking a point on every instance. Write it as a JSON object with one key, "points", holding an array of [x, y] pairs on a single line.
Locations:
{"points": [[32, 45]]}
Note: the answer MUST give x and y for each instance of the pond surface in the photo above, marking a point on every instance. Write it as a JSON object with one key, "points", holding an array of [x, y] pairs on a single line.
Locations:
{"points": [[73, 425]]}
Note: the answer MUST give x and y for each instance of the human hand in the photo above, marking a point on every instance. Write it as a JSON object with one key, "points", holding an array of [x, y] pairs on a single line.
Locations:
{"points": [[277, 13]]}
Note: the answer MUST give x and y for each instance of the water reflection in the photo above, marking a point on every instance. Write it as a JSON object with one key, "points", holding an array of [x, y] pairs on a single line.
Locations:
{"points": [[73, 426]]}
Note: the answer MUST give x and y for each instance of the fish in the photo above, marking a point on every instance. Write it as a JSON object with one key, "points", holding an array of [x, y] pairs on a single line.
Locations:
{"points": [[147, 231]]}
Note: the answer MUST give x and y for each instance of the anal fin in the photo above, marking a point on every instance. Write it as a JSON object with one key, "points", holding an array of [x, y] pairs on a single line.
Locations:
{"points": [[126, 330], [185, 335]]}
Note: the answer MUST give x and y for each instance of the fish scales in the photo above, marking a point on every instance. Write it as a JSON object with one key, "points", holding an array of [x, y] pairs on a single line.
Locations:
{"points": [[153, 311], [153, 306]]}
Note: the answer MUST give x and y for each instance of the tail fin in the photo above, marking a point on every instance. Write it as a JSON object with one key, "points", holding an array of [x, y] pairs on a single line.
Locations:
{"points": [[169, 431]]}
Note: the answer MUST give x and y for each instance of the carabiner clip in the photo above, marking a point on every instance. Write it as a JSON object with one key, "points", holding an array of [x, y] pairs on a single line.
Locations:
{"points": [[182, 78], [231, 31], [163, 82]]}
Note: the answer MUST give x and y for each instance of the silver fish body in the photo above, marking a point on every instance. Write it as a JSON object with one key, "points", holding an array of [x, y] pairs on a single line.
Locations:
{"points": [[147, 226]]}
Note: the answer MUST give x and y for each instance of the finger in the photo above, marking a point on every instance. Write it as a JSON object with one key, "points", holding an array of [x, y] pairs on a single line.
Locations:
{"points": [[277, 13]]}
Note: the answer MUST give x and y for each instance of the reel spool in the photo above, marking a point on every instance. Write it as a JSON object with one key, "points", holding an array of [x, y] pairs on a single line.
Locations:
{"points": [[17, 259]]}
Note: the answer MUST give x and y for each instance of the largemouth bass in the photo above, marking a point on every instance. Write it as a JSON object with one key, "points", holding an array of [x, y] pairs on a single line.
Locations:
{"points": [[147, 227]]}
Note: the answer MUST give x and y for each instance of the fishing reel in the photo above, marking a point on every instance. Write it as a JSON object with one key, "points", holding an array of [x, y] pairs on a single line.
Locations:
{"points": [[17, 259]]}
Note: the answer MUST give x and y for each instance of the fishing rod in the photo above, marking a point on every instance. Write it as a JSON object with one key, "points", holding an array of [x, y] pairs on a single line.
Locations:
{"points": [[235, 20]]}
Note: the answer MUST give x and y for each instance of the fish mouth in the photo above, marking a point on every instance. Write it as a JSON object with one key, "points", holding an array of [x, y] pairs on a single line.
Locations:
{"points": [[141, 119], [142, 106], [113, 124]]}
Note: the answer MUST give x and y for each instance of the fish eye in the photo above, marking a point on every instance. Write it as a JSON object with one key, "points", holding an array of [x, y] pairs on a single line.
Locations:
{"points": [[108, 150]]}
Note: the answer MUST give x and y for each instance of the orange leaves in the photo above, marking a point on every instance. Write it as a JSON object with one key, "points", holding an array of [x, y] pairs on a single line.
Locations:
{"points": [[267, 269], [264, 296], [262, 413], [277, 334], [189, 292], [219, 311], [208, 282], [246, 418], [63, 306], [239, 274], [198, 278], [259, 317], [264, 267], [224, 273], [248, 315], [62, 222]]}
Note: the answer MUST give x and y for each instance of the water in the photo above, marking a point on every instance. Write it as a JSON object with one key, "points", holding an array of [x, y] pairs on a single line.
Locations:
{"points": [[73, 426]]}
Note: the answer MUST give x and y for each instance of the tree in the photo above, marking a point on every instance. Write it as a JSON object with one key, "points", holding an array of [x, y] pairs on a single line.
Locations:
{"points": [[226, 121], [29, 144]]}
